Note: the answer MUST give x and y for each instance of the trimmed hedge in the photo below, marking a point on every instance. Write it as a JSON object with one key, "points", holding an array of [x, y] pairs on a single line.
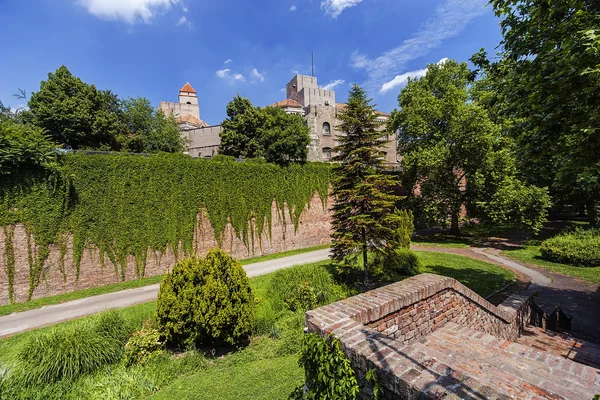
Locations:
{"points": [[580, 247], [205, 301]]}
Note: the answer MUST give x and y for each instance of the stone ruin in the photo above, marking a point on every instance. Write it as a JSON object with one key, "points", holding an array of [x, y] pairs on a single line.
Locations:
{"points": [[430, 337]]}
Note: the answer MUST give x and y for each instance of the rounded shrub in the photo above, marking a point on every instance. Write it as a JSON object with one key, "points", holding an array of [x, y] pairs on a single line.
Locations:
{"points": [[303, 287], [402, 261], [205, 301], [580, 247], [142, 345]]}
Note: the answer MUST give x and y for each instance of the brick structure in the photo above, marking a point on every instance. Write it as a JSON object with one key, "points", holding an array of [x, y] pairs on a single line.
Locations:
{"points": [[431, 337], [313, 230]]}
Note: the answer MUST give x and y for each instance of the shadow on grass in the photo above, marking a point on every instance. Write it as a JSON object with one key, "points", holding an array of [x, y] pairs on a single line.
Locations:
{"points": [[482, 282]]}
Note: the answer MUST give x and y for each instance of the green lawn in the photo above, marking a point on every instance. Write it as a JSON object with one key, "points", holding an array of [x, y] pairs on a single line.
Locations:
{"points": [[80, 294], [266, 369], [269, 379], [442, 240], [532, 255], [483, 278]]}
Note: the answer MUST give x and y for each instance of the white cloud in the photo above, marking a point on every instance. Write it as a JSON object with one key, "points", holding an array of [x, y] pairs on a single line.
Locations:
{"points": [[226, 75], [400, 80], [335, 7], [257, 76], [184, 21], [228, 61], [293, 7], [130, 11], [331, 85], [223, 73], [450, 19]]}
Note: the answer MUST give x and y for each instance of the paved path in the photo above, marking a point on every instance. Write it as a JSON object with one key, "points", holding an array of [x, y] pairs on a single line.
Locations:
{"points": [[48, 315]]}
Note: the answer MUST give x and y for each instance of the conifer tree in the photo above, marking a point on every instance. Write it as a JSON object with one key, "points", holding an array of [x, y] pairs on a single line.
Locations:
{"points": [[363, 214]]}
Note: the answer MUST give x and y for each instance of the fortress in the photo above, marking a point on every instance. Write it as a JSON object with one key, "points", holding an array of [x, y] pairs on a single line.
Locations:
{"points": [[303, 96]]}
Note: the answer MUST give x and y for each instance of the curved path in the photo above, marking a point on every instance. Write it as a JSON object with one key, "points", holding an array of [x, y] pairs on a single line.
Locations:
{"points": [[48, 315]]}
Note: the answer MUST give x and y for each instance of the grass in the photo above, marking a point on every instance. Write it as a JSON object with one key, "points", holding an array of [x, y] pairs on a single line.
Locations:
{"points": [[483, 278], [532, 255], [266, 369], [116, 287], [442, 240], [269, 379]]}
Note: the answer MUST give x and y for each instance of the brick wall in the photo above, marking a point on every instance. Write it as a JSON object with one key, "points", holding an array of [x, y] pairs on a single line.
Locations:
{"points": [[374, 325], [313, 230]]}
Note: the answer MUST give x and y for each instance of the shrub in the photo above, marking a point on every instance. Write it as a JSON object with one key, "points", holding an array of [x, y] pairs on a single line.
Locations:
{"points": [[580, 247], [403, 225], [401, 261], [65, 353], [329, 374], [142, 345], [303, 287], [205, 301]]}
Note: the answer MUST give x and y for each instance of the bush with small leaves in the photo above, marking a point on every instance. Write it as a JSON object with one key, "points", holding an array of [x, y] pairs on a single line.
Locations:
{"points": [[142, 345], [580, 247], [205, 301]]}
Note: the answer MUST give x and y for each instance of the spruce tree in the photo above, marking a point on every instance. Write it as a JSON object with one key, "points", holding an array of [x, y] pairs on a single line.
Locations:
{"points": [[363, 213]]}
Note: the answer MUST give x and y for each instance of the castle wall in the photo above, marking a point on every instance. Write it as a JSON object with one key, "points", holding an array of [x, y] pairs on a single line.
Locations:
{"points": [[313, 230], [180, 109], [204, 142]]}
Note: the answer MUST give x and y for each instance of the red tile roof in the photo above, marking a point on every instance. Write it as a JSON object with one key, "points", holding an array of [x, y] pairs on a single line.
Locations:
{"points": [[191, 119], [187, 88], [287, 103]]}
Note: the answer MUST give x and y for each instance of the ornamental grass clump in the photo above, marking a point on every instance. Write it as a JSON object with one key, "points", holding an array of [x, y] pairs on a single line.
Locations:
{"points": [[205, 301], [67, 352], [580, 247]]}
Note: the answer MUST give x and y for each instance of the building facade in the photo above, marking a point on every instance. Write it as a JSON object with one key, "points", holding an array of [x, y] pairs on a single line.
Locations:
{"points": [[303, 97]]}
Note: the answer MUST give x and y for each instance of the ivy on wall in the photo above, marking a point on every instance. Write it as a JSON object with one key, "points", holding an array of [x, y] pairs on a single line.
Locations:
{"points": [[127, 205]]}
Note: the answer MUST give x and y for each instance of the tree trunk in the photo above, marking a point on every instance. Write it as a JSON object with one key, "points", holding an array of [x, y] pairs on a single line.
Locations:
{"points": [[454, 229], [365, 260], [592, 213]]}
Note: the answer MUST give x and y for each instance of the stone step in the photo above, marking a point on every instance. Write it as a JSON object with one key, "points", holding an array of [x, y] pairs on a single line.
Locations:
{"points": [[457, 362], [562, 344]]}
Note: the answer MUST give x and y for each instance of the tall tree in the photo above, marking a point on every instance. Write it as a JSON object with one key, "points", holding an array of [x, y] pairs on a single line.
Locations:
{"points": [[547, 82], [149, 130], [453, 154], [75, 114], [268, 133], [363, 213]]}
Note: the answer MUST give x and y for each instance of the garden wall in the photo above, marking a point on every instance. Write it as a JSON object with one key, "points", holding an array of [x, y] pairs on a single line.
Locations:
{"points": [[103, 219]]}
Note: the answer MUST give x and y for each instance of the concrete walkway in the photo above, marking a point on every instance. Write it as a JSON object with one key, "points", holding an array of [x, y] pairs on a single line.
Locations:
{"points": [[48, 315]]}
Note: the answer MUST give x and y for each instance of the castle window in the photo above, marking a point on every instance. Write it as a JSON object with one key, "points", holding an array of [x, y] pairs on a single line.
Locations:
{"points": [[189, 102], [326, 154], [326, 129]]}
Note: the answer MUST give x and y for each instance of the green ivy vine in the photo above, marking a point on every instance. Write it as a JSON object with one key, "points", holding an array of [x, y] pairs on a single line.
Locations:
{"points": [[127, 205]]}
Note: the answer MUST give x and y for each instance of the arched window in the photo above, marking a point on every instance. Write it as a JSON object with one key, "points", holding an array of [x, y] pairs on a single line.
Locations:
{"points": [[189, 102], [326, 154], [326, 129]]}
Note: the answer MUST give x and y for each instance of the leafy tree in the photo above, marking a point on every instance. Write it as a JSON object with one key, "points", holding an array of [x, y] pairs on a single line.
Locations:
{"points": [[268, 133], [363, 214], [76, 114], [24, 146], [453, 154], [546, 85], [285, 137], [240, 136], [149, 130]]}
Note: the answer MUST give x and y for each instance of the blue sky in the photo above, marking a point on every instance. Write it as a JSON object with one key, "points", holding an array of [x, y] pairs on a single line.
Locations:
{"points": [[224, 47]]}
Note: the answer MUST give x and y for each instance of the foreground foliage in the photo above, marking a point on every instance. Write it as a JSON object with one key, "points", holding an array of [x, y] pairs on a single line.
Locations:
{"points": [[329, 373], [580, 247], [205, 301]]}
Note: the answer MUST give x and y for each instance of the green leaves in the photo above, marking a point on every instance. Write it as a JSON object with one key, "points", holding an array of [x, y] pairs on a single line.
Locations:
{"points": [[268, 133], [364, 203], [24, 146]]}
